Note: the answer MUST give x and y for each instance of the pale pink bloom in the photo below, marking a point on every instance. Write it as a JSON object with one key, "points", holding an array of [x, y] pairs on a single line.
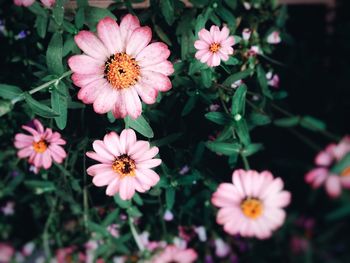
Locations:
{"points": [[119, 65], [41, 146], [252, 205], [28, 249], [125, 164], [8, 209], [247, 5], [254, 50], [214, 45], [236, 84], [274, 37], [214, 107], [322, 175], [113, 230], [201, 232], [6, 252], [222, 249], [174, 254], [273, 79], [184, 170], [168, 215], [246, 33], [63, 254], [48, 3], [25, 3], [150, 245]]}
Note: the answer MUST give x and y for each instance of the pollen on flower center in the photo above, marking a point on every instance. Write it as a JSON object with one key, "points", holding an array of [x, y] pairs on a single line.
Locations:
{"points": [[252, 208], [346, 171], [124, 165], [121, 71], [214, 47], [40, 146]]}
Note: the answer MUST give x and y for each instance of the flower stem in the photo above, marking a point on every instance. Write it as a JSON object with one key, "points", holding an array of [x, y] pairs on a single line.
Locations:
{"points": [[245, 162], [41, 87], [46, 230], [135, 235]]}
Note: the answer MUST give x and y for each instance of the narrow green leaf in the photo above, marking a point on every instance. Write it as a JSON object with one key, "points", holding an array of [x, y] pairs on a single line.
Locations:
{"points": [[243, 132], [39, 108], [167, 9], [41, 25], [238, 76], [170, 197], [207, 75], [140, 125], [224, 148], [58, 12], [218, 117], [59, 103], [339, 213], [162, 35], [238, 101], [252, 149], [9, 92], [133, 211], [191, 102], [79, 19], [232, 61], [259, 119], [5, 107], [167, 140], [54, 54], [261, 74], [287, 122], [122, 203], [312, 123], [344, 163], [227, 16]]}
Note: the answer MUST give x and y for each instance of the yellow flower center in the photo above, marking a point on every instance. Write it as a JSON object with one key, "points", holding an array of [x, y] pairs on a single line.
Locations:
{"points": [[214, 47], [40, 146], [252, 208], [346, 171], [121, 71], [124, 165]]}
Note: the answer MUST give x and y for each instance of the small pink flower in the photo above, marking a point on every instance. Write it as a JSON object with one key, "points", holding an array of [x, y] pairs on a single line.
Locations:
{"points": [[119, 65], [64, 255], [236, 84], [48, 3], [274, 38], [273, 79], [322, 175], [168, 215], [41, 146], [252, 205], [222, 249], [113, 230], [214, 107], [25, 3], [214, 45], [6, 252], [8, 209], [175, 254], [254, 50], [124, 164], [201, 232], [246, 33]]}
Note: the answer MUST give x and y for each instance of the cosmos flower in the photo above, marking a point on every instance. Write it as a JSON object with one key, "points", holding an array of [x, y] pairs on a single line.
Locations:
{"points": [[214, 45], [274, 38], [26, 3], [327, 173], [119, 65], [252, 205], [175, 254], [41, 146], [125, 164]]}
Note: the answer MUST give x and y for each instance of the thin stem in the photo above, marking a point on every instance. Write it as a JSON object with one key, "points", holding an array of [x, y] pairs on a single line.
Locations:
{"points": [[136, 235], [46, 230], [245, 162], [41, 87], [305, 140], [85, 197]]}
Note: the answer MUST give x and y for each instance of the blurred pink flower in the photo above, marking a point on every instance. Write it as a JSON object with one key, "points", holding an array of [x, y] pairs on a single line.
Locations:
{"points": [[48, 3], [274, 37], [323, 174], [6, 252], [273, 79], [246, 34], [175, 254], [222, 249], [42, 146], [252, 205], [8, 209], [299, 244], [168, 215], [119, 65], [214, 45], [125, 164], [113, 230], [25, 3], [214, 107], [64, 255]]}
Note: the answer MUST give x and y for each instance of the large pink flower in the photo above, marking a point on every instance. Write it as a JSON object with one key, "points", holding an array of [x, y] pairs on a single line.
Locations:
{"points": [[119, 65], [323, 174], [252, 205], [124, 164], [25, 3], [41, 146], [174, 254], [214, 45], [6, 252]]}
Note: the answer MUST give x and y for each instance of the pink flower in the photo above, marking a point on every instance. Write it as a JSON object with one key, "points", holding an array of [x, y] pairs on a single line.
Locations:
{"points": [[246, 33], [8, 209], [25, 3], [222, 249], [174, 254], [119, 65], [323, 175], [64, 255], [274, 38], [41, 146], [124, 164], [48, 3], [168, 215], [6, 252], [252, 205], [273, 79], [214, 45]]}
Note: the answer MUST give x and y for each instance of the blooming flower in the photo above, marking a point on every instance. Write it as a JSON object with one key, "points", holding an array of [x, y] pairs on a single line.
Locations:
{"points": [[6, 252], [252, 205], [274, 38], [124, 164], [8, 209], [48, 3], [119, 65], [214, 45], [201, 232], [25, 3], [222, 249], [324, 174], [273, 79], [246, 34], [175, 254], [42, 146], [168, 215]]}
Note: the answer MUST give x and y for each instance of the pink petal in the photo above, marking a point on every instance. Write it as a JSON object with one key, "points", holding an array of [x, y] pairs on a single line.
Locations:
{"points": [[108, 31], [98, 158], [111, 141], [102, 179], [39, 127], [149, 164], [226, 195], [164, 67], [237, 180], [47, 160], [324, 158], [147, 155], [38, 160], [153, 54], [128, 24], [82, 80], [57, 153], [127, 188], [113, 187], [138, 40], [91, 45], [102, 150], [22, 140], [119, 110], [155, 80], [224, 34], [147, 177], [333, 186], [127, 140], [89, 93], [25, 152], [48, 3], [215, 33], [106, 99], [84, 64], [205, 36], [99, 169], [138, 148], [32, 131], [132, 103], [273, 188], [230, 41], [214, 60], [316, 177], [148, 94], [200, 44]]}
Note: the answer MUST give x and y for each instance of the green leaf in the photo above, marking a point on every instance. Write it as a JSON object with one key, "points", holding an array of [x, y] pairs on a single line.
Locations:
{"points": [[54, 54], [5, 107], [191, 102], [37, 9], [243, 132], [58, 12], [94, 14], [162, 35], [189, 179], [167, 140], [261, 74], [231, 4], [79, 18], [59, 103], [207, 75], [224, 148], [259, 118], [252, 149], [312, 123], [40, 186], [339, 213], [140, 125], [218, 117], [41, 25], [133, 211], [122, 203], [170, 197], [287, 122], [9, 92], [238, 100], [232, 61], [238, 76], [344, 163], [196, 66], [39, 108], [227, 16]]}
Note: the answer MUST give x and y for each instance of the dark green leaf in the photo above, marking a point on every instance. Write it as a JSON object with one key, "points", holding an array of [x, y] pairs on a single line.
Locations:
{"points": [[133, 211], [5, 107], [238, 101], [170, 197], [59, 103], [252, 149], [39, 108], [243, 132], [41, 25], [54, 54], [189, 105], [122, 203], [238, 76], [140, 125], [287, 122], [79, 18], [218, 117], [259, 118], [167, 140], [227, 16], [224, 148], [40, 186], [9, 92], [312, 123], [232, 61], [344, 163], [263, 82], [162, 35], [207, 75], [58, 12], [94, 14]]}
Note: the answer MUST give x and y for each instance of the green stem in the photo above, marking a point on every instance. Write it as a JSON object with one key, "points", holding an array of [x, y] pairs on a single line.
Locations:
{"points": [[46, 230], [245, 162], [136, 235], [41, 87]]}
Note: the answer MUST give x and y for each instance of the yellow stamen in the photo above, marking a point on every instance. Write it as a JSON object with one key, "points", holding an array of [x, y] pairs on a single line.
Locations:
{"points": [[122, 71], [124, 166], [346, 171], [214, 47], [40, 146], [252, 208]]}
